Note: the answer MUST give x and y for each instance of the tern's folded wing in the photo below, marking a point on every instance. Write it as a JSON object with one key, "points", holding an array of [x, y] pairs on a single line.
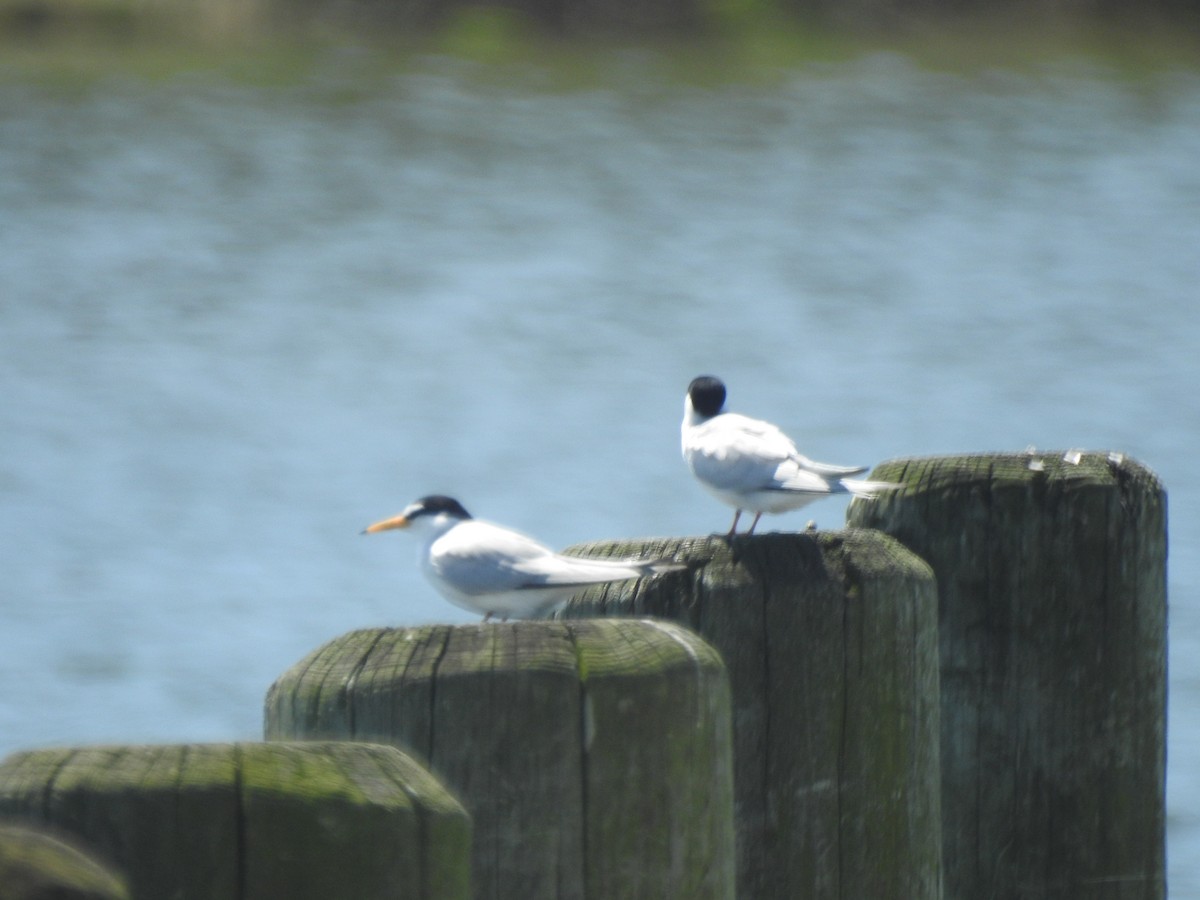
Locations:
{"points": [[576, 570], [477, 557], [734, 453], [801, 481], [826, 469]]}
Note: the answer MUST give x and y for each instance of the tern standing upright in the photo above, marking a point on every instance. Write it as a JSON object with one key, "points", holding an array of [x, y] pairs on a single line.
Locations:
{"points": [[752, 465]]}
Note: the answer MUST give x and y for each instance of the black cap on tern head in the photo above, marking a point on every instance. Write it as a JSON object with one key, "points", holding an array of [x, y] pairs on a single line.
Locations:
{"points": [[707, 393], [440, 503]]}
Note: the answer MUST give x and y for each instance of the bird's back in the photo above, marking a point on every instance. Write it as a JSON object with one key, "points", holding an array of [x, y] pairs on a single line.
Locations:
{"points": [[735, 452]]}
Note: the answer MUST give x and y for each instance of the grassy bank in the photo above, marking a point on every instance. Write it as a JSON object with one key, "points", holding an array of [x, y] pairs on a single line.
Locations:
{"points": [[747, 38]]}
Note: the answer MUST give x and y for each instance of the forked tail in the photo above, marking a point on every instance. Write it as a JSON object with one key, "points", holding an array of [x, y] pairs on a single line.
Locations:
{"points": [[869, 490]]}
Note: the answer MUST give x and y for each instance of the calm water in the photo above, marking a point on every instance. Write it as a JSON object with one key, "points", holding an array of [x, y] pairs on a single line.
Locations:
{"points": [[238, 323]]}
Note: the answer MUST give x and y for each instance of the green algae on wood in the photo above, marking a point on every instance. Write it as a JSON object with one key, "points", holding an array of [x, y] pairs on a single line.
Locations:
{"points": [[215, 821], [594, 757], [1051, 571], [830, 641]]}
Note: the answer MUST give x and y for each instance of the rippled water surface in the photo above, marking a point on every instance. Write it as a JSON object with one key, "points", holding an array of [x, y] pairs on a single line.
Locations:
{"points": [[239, 322]]}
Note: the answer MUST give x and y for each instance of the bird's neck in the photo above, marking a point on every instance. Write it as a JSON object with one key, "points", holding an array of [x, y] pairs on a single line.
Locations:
{"points": [[437, 527], [691, 418]]}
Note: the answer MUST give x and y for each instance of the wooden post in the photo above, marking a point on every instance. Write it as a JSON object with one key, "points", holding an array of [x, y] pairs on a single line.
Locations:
{"points": [[38, 865], [594, 757], [830, 640], [252, 821], [1051, 573]]}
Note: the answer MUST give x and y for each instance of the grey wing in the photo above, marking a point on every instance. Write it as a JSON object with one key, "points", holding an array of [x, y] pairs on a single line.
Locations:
{"points": [[736, 453], [480, 558], [826, 469], [564, 571], [806, 481], [731, 471], [749, 453], [796, 480]]}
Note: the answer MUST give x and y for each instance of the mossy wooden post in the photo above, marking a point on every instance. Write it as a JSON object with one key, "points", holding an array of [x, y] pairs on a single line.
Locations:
{"points": [[38, 865], [252, 821], [594, 757], [830, 640], [1051, 573]]}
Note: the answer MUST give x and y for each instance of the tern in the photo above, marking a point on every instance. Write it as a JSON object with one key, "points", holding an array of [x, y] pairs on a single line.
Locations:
{"points": [[752, 465], [499, 572]]}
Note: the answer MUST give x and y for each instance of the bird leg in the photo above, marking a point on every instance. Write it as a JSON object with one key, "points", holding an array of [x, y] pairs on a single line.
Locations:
{"points": [[737, 514], [487, 617], [757, 516]]}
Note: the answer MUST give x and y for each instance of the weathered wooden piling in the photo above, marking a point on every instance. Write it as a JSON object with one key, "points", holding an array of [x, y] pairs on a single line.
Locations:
{"points": [[594, 757], [830, 640], [252, 821], [1051, 573], [38, 865]]}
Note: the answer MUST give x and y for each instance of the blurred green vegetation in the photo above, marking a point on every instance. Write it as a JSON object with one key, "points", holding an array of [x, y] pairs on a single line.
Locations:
{"points": [[277, 41]]}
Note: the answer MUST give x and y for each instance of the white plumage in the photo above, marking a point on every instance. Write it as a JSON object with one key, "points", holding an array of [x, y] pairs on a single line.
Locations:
{"points": [[752, 465], [500, 572]]}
